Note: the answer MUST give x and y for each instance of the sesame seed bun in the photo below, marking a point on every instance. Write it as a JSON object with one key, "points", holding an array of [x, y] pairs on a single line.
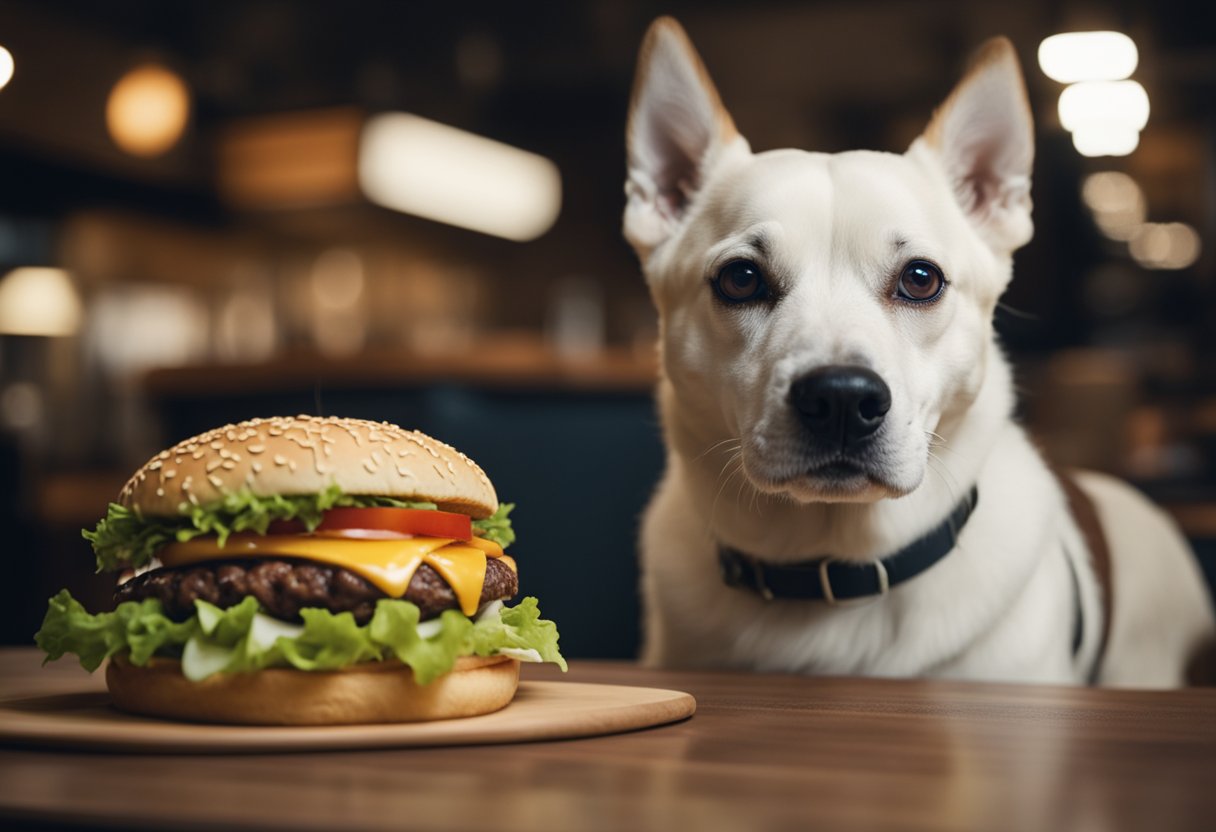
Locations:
{"points": [[306, 455], [364, 693]]}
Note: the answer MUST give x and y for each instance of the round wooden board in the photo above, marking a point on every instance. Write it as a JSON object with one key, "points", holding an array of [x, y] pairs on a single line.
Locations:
{"points": [[540, 711]]}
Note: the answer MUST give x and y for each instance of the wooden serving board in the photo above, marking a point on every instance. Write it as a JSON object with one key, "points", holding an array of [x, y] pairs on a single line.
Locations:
{"points": [[84, 719]]}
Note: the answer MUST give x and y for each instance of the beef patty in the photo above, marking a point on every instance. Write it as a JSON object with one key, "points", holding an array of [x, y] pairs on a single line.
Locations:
{"points": [[284, 587]]}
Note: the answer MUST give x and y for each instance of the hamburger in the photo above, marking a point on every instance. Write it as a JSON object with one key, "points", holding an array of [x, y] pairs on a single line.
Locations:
{"points": [[306, 571]]}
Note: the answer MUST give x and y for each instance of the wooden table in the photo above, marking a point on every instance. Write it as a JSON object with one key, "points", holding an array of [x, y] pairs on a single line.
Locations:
{"points": [[762, 752]]}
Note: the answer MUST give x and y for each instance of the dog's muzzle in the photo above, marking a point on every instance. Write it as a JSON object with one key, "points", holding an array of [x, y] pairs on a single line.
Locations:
{"points": [[840, 406]]}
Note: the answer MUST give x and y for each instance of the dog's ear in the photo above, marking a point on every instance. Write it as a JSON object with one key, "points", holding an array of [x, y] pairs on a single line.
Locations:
{"points": [[677, 131], [983, 135]]}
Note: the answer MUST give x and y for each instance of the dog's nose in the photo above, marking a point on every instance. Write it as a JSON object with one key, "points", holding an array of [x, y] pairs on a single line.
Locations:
{"points": [[841, 405]]}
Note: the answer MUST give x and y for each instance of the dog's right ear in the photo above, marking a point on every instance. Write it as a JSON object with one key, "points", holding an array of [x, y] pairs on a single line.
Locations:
{"points": [[677, 130]]}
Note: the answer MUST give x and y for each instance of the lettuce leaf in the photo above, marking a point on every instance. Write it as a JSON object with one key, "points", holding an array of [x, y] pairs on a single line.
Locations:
{"points": [[519, 628], [497, 526], [127, 539], [139, 627], [241, 639]]}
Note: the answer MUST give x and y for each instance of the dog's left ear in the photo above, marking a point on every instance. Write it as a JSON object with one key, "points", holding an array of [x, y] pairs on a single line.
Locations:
{"points": [[983, 136]]}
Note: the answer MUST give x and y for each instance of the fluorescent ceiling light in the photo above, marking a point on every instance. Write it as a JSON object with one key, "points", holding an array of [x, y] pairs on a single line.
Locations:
{"points": [[38, 301], [1088, 56], [1112, 103], [421, 167]]}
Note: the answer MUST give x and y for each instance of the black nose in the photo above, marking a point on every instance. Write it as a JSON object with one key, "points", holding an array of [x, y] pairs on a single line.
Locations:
{"points": [[841, 406]]}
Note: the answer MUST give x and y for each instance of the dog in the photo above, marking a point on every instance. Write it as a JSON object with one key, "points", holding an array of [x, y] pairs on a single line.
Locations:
{"points": [[846, 491]]}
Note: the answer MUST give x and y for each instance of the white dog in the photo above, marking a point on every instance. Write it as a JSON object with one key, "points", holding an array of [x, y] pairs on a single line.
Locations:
{"points": [[846, 491]]}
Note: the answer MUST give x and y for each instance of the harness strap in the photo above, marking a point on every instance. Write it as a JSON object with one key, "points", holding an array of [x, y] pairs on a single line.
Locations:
{"points": [[1085, 515]]}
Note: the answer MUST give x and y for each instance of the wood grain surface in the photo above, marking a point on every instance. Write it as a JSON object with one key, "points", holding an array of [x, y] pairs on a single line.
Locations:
{"points": [[84, 720], [762, 752]]}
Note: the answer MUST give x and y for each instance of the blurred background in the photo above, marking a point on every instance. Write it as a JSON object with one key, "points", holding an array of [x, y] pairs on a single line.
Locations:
{"points": [[410, 211]]}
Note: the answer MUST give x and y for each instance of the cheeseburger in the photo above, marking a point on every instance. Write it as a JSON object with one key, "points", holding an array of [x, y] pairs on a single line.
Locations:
{"points": [[306, 571]]}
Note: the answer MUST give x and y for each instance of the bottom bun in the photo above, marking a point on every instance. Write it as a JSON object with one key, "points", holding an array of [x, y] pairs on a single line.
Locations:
{"points": [[372, 692]]}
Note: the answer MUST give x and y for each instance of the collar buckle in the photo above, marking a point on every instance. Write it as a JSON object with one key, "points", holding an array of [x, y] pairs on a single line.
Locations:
{"points": [[825, 581]]}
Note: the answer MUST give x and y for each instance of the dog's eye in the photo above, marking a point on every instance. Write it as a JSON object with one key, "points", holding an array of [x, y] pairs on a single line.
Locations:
{"points": [[740, 281], [920, 282]]}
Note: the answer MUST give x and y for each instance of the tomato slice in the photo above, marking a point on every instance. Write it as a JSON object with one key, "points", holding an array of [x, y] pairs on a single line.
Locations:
{"points": [[419, 521]]}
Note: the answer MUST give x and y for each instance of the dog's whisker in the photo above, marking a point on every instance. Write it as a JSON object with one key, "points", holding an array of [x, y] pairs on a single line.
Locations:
{"points": [[735, 439], [938, 466], [1019, 313], [938, 442], [737, 457]]}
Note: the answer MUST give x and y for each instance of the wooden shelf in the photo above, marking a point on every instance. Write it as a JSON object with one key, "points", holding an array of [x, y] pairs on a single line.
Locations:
{"points": [[505, 363]]}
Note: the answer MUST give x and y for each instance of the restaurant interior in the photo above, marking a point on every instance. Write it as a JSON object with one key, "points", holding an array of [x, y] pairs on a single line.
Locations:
{"points": [[211, 211]]}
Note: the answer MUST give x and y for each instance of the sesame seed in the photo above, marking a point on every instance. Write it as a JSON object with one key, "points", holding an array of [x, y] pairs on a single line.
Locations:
{"points": [[170, 473], [279, 459], [160, 492], [214, 480], [256, 449], [257, 467], [228, 465], [213, 464]]}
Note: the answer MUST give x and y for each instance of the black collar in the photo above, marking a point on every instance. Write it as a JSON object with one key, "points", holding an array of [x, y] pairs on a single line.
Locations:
{"points": [[826, 579]]}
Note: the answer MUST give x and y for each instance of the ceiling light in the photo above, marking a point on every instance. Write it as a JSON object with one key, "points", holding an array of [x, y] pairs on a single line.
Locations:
{"points": [[38, 301], [1169, 245], [1118, 103], [1117, 203], [1105, 140], [1088, 56], [6, 67], [421, 167], [147, 110]]}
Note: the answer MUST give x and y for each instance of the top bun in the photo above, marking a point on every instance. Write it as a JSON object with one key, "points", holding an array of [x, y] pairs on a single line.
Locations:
{"points": [[306, 455]]}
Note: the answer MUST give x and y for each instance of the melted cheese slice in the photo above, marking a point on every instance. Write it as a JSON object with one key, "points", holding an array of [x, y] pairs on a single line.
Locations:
{"points": [[387, 564]]}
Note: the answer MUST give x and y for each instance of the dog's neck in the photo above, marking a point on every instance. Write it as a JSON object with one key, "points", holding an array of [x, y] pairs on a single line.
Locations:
{"points": [[777, 529]]}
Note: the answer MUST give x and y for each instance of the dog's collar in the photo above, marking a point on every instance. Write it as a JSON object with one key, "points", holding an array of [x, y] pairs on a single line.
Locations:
{"points": [[828, 579]]}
